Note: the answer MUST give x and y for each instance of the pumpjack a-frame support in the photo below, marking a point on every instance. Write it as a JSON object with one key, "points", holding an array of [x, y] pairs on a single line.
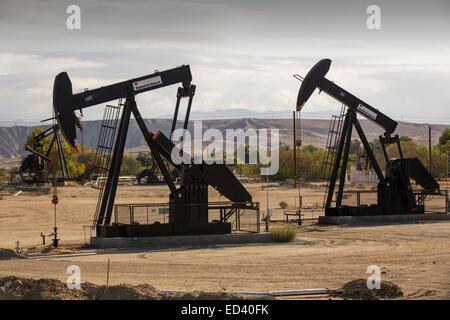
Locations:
{"points": [[130, 107]]}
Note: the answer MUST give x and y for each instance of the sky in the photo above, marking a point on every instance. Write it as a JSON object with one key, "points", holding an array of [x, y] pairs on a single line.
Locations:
{"points": [[242, 54]]}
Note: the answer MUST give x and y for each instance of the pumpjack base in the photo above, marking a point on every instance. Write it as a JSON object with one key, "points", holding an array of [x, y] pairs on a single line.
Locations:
{"points": [[162, 229], [181, 241], [372, 210], [383, 219]]}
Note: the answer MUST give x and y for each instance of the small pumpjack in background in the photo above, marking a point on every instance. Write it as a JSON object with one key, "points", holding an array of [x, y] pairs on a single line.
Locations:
{"points": [[394, 193], [188, 204], [152, 175], [35, 167]]}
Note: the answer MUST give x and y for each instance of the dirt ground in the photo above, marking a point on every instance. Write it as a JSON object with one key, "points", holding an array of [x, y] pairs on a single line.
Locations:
{"points": [[414, 256]]}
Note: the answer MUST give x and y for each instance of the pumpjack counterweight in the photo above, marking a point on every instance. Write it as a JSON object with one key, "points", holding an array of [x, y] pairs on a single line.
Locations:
{"points": [[395, 194]]}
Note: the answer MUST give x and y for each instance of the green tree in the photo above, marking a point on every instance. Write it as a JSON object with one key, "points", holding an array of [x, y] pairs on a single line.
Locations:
{"points": [[4, 174], [36, 131], [310, 148], [86, 161], [75, 169], [405, 139], [355, 145], [146, 159], [130, 166], [445, 137]]}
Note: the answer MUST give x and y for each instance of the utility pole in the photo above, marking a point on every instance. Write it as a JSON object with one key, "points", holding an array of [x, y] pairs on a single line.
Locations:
{"points": [[295, 150], [267, 191], [429, 145]]}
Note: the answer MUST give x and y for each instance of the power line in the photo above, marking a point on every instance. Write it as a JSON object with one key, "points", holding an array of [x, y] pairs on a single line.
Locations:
{"points": [[325, 115]]}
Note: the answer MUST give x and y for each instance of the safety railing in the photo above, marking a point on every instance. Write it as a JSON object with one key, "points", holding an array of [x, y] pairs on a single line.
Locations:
{"points": [[244, 217]]}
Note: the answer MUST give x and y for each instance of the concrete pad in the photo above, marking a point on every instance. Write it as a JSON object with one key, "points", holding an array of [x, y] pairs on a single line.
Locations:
{"points": [[180, 241], [383, 218]]}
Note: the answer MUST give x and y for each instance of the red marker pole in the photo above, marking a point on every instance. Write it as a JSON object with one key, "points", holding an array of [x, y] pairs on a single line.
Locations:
{"points": [[55, 201]]}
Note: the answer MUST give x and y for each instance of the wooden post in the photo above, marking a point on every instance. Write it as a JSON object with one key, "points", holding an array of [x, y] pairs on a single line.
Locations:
{"points": [[107, 274]]}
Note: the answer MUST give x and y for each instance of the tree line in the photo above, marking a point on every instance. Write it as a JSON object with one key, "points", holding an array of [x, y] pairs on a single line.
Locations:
{"points": [[310, 159]]}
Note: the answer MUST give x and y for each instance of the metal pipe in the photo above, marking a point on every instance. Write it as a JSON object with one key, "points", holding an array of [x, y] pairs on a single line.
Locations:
{"points": [[298, 292], [285, 293]]}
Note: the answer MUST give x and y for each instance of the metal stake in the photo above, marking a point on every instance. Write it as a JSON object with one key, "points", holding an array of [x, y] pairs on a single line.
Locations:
{"points": [[107, 274]]}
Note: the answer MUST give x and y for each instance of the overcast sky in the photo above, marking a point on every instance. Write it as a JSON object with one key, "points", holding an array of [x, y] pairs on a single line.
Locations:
{"points": [[242, 53]]}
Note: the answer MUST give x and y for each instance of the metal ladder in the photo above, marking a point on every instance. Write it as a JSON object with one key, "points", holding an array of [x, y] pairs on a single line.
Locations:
{"points": [[105, 144], [332, 143]]}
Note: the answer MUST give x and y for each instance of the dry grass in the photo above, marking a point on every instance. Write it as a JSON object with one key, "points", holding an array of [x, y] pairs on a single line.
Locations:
{"points": [[283, 204], [284, 234]]}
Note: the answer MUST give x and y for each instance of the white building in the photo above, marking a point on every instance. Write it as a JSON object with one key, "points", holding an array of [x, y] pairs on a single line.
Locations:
{"points": [[363, 177]]}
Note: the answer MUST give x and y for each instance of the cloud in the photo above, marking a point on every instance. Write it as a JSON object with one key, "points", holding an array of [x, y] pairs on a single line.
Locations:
{"points": [[241, 55], [13, 63]]}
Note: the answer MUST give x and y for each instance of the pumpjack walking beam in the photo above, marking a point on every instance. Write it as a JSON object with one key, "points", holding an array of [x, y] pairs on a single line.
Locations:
{"points": [[65, 102], [316, 79]]}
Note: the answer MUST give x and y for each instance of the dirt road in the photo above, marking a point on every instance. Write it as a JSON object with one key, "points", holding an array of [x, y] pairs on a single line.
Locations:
{"points": [[414, 256]]}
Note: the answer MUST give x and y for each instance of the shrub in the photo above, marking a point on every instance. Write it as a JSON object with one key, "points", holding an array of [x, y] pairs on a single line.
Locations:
{"points": [[284, 234], [283, 205]]}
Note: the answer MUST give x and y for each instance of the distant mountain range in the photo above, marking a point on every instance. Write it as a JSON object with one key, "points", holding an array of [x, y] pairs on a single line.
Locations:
{"points": [[231, 113], [313, 131], [240, 113]]}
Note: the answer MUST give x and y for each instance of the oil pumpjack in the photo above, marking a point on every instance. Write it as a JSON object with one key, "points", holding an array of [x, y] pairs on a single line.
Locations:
{"points": [[37, 164], [188, 204], [394, 193]]}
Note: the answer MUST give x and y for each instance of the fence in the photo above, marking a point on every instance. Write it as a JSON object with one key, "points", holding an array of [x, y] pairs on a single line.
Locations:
{"points": [[244, 217], [303, 215], [141, 213], [289, 215], [432, 201], [359, 197]]}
